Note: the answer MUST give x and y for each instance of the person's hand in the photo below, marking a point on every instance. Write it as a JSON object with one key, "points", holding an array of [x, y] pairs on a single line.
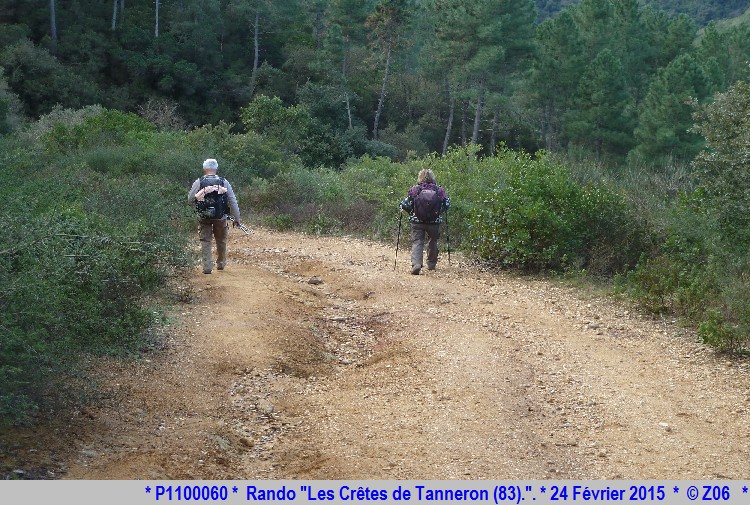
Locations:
{"points": [[236, 223]]}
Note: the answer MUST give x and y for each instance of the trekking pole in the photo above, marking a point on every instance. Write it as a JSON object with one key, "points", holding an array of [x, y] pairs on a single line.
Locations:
{"points": [[448, 236], [241, 226], [398, 239]]}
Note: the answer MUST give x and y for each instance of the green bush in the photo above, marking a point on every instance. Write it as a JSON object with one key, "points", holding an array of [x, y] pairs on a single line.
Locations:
{"points": [[245, 156], [698, 275], [80, 253], [534, 216], [107, 128], [510, 209]]}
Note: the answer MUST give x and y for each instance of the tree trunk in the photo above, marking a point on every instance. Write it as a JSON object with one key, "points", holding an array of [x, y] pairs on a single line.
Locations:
{"points": [[114, 15], [318, 28], [546, 127], [122, 9], [449, 126], [382, 92], [477, 119], [156, 28], [463, 122], [493, 138], [256, 51], [345, 75], [52, 21]]}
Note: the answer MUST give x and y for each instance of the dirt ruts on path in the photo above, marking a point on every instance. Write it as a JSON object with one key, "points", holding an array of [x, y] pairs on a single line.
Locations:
{"points": [[311, 358]]}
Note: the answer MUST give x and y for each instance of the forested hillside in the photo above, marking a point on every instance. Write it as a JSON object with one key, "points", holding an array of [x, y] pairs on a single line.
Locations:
{"points": [[702, 11], [388, 77]]}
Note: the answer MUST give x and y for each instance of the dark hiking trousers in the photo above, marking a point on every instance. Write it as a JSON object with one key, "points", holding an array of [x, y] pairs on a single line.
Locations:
{"points": [[420, 231]]}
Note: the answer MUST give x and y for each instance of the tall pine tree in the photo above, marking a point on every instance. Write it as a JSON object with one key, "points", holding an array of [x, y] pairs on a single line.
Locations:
{"points": [[600, 120], [666, 117], [556, 73]]}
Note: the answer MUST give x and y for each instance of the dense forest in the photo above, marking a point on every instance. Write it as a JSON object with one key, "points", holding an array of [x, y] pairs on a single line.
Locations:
{"points": [[702, 11], [380, 77], [607, 141]]}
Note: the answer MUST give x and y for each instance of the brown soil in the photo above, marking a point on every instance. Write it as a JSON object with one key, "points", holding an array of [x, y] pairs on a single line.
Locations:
{"points": [[311, 358]]}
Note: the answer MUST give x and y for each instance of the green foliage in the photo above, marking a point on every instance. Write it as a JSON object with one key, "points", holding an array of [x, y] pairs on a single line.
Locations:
{"points": [[80, 254], [724, 165], [315, 201], [698, 276], [666, 119], [319, 57], [297, 133], [536, 217], [11, 115], [40, 80], [245, 155], [702, 270], [511, 210], [556, 71], [599, 119], [107, 128]]}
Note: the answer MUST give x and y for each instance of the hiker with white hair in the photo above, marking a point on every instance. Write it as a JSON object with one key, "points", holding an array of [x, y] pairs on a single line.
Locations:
{"points": [[213, 199]]}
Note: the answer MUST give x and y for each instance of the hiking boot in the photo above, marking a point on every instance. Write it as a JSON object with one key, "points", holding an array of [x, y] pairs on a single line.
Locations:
{"points": [[431, 267], [415, 270], [220, 266], [207, 271]]}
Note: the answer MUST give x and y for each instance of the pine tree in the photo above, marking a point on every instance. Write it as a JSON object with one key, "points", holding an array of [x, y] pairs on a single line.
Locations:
{"points": [[481, 43], [600, 120], [594, 19], [724, 54], [387, 23], [631, 44], [556, 72], [666, 117]]}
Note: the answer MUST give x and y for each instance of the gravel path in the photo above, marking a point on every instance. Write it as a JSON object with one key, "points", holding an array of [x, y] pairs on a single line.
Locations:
{"points": [[311, 358]]}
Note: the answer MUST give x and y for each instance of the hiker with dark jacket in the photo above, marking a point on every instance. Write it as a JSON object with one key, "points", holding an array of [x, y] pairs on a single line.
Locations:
{"points": [[425, 203], [213, 198]]}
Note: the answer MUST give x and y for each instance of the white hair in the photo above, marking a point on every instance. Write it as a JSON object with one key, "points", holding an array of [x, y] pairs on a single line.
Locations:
{"points": [[210, 164]]}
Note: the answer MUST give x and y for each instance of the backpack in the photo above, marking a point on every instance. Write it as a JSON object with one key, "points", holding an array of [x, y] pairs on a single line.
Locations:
{"points": [[214, 205], [427, 205]]}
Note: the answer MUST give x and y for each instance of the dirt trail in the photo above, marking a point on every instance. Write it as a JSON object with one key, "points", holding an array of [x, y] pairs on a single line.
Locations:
{"points": [[377, 374]]}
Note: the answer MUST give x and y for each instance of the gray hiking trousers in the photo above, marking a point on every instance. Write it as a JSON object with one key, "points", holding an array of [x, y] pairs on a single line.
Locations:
{"points": [[218, 229], [420, 231]]}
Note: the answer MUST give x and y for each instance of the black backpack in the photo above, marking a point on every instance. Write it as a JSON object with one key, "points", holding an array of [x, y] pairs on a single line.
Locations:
{"points": [[427, 205], [214, 205]]}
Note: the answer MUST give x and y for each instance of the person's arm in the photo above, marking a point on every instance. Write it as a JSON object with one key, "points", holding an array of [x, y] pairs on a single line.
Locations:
{"points": [[446, 203], [407, 205], [193, 191], [233, 206]]}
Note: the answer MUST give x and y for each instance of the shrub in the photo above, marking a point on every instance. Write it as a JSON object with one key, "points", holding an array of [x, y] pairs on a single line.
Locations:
{"points": [[107, 128], [534, 216], [722, 167], [698, 275], [77, 259], [245, 156]]}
